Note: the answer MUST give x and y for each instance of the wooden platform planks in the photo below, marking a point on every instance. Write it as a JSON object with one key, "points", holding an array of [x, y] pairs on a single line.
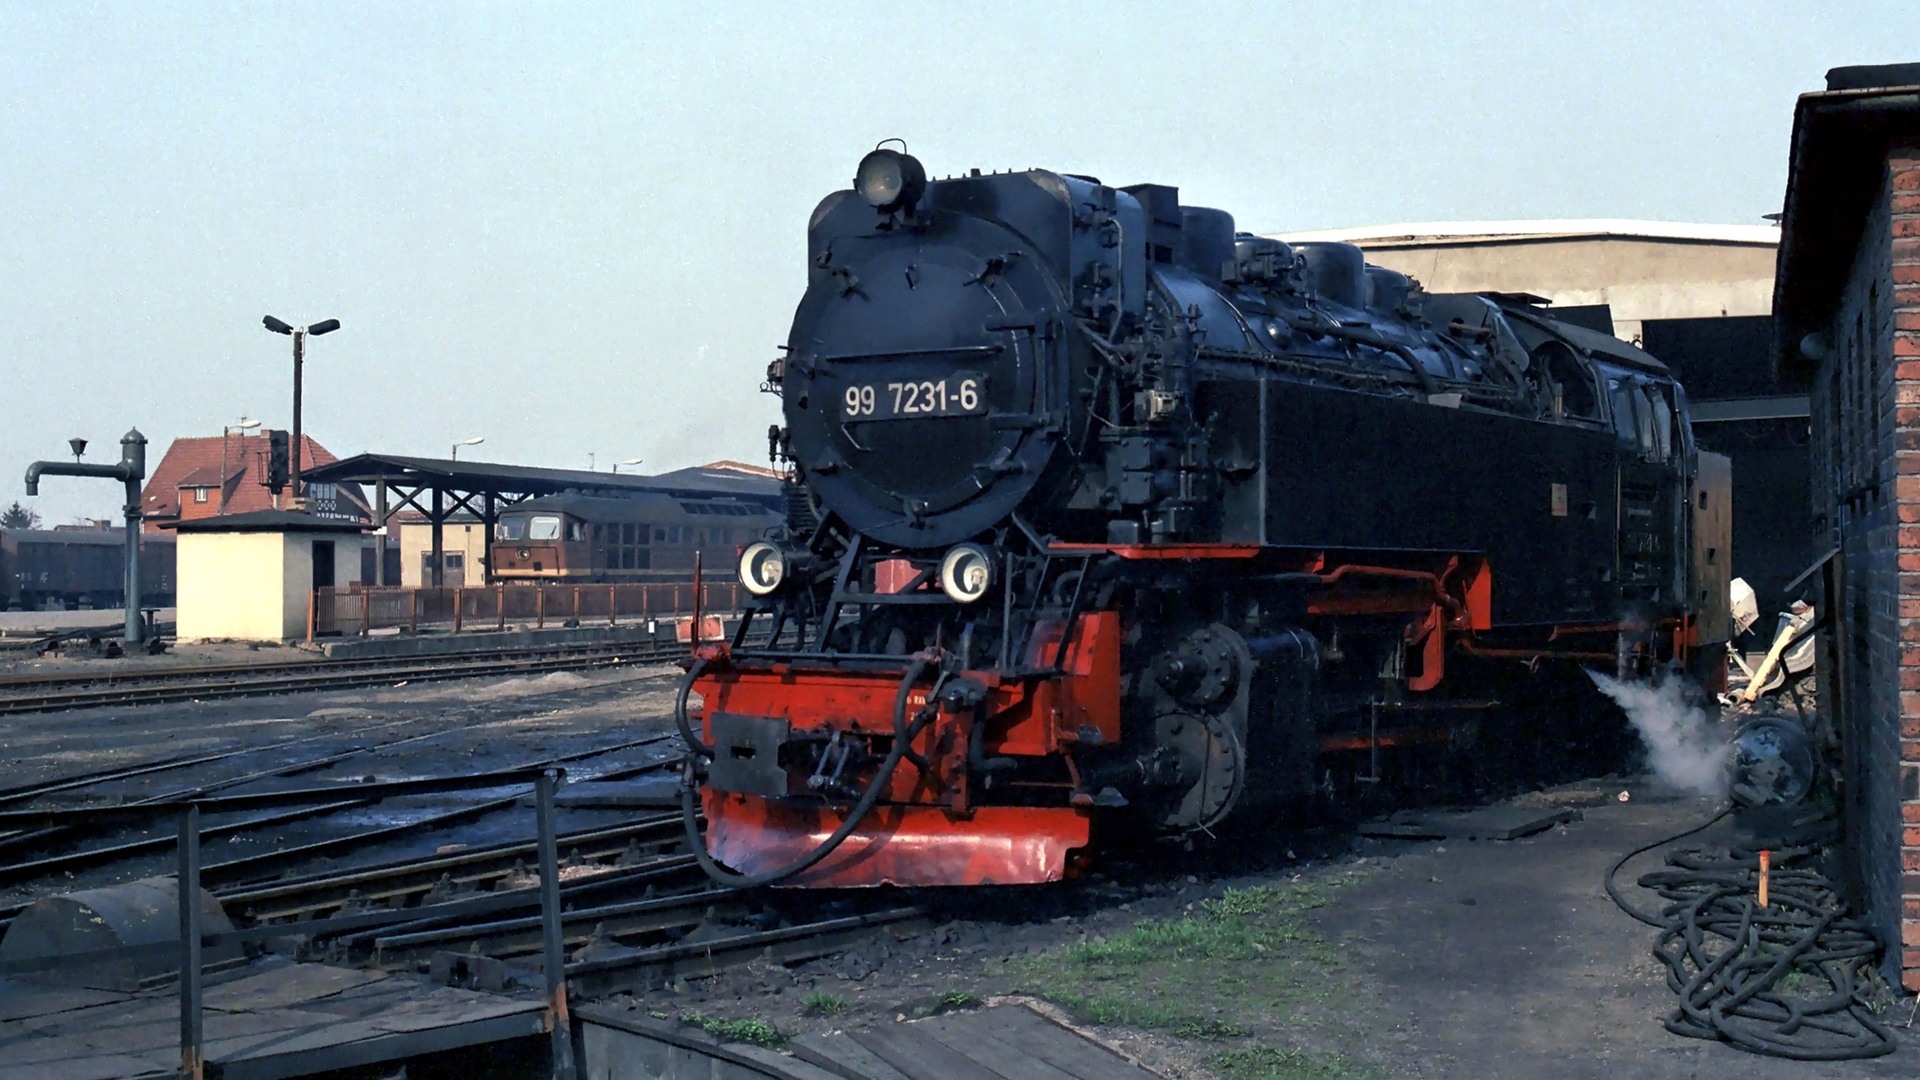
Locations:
{"points": [[1005, 1042], [270, 1020], [1501, 822]]}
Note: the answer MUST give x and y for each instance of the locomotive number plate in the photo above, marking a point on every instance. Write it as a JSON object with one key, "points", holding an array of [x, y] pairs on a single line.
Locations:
{"points": [[963, 393]]}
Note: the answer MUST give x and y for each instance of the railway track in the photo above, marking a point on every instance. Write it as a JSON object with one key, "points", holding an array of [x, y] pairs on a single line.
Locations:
{"points": [[145, 686], [637, 909]]}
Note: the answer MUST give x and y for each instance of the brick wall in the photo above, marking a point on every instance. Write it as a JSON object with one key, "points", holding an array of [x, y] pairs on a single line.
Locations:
{"points": [[1866, 461], [1900, 327]]}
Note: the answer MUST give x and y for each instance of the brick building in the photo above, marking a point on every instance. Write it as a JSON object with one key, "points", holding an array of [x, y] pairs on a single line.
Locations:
{"points": [[1847, 327], [200, 477]]}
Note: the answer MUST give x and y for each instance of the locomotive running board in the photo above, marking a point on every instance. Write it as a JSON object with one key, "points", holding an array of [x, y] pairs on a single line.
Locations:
{"points": [[896, 845]]}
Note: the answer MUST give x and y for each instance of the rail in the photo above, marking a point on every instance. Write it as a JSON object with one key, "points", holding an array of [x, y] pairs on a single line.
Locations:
{"points": [[360, 610], [193, 937]]}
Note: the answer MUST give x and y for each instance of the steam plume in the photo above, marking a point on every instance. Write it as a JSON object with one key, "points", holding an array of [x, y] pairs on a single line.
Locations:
{"points": [[1683, 743]]}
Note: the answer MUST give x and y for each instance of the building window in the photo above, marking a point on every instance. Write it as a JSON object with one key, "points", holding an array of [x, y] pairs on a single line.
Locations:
{"points": [[199, 495], [454, 560]]}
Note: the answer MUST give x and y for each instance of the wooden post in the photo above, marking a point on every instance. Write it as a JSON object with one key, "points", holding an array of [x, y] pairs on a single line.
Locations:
{"points": [[413, 611], [697, 589], [540, 607], [553, 956], [459, 609], [576, 603], [500, 605], [192, 1061], [366, 614], [613, 606]]}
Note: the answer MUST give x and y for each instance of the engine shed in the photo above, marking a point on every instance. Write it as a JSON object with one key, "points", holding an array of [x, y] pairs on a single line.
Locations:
{"points": [[1847, 330]]}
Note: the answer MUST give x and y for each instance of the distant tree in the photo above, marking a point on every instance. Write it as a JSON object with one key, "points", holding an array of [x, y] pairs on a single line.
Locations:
{"points": [[18, 517]]}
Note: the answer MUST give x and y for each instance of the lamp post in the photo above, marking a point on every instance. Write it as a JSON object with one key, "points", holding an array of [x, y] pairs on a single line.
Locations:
{"points": [[475, 441], [629, 461], [326, 326], [226, 430]]}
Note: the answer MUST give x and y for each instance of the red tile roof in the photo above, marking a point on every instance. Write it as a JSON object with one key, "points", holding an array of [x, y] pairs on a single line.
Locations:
{"points": [[207, 476], [195, 462], [743, 467]]}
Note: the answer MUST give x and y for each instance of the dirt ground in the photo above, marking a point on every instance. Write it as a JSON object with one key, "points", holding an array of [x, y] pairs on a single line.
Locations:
{"points": [[1394, 959]]}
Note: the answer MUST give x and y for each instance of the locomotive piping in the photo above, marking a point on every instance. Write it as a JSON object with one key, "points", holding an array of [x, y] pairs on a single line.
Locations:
{"points": [[695, 745], [1359, 337]]}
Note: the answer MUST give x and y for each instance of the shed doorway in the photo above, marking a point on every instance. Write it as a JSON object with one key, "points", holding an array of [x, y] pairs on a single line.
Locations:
{"points": [[323, 564]]}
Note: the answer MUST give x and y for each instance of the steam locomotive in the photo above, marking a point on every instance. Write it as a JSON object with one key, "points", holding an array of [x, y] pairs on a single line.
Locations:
{"points": [[1104, 515]]}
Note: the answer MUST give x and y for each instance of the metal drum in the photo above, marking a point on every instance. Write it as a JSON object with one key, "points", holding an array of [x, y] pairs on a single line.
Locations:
{"points": [[1772, 762], [145, 912]]}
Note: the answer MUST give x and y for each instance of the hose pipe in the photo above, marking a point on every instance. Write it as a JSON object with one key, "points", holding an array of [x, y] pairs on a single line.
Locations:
{"points": [[696, 746], [901, 738]]}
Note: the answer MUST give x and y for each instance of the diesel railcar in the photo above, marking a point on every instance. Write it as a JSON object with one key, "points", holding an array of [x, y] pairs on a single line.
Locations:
{"points": [[575, 539], [1108, 517]]}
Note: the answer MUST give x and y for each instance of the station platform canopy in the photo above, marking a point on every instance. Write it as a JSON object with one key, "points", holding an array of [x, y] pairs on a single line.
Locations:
{"points": [[439, 488]]}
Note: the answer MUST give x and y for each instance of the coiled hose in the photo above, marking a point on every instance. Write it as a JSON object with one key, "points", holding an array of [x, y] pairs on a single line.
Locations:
{"points": [[905, 733], [1733, 995]]}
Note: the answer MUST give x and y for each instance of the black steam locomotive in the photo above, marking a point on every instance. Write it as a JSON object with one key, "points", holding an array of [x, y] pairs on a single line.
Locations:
{"points": [[1104, 513]]}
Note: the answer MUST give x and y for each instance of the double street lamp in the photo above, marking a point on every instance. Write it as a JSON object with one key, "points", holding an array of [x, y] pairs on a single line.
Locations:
{"points": [[299, 355]]}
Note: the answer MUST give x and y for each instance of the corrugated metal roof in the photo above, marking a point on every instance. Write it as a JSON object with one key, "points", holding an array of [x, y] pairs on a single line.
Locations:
{"points": [[482, 476]]}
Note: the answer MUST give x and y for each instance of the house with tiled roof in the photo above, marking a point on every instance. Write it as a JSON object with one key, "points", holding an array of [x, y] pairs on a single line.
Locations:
{"points": [[204, 476], [728, 465]]}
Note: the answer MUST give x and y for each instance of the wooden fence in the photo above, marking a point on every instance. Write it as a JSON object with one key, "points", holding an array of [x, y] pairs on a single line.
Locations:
{"points": [[360, 610]]}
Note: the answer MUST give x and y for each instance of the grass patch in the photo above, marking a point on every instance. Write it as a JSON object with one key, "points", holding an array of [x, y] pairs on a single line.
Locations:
{"points": [[945, 1003], [1269, 1063], [1236, 964], [1800, 983], [757, 1032], [821, 1003]]}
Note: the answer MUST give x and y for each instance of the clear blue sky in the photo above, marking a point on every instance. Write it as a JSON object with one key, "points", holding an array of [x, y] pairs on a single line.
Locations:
{"points": [[579, 229]]}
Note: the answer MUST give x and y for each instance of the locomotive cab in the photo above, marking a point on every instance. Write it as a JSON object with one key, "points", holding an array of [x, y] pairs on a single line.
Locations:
{"points": [[538, 544]]}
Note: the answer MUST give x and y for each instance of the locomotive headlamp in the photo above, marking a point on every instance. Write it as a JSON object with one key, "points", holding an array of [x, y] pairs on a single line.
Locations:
{"points": [[966, 572], [763, 567], [890, 180]]}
